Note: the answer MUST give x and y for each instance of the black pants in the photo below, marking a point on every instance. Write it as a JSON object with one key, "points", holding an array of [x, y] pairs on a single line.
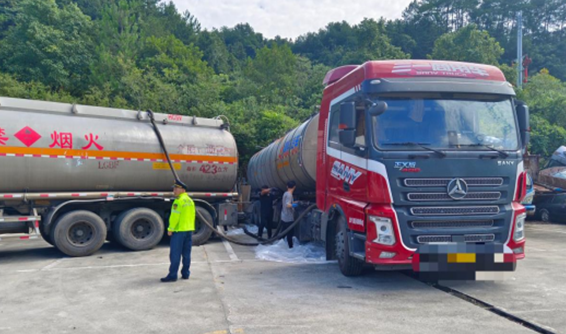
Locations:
{"points": [[265, 222], [289, 234]]}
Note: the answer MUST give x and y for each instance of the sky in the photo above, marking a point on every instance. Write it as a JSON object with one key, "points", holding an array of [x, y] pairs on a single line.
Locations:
{"points": [[288, 18]]}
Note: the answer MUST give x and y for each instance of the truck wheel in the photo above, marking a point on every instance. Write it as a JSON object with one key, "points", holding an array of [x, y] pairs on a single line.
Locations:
{"points": [[545, 215], [138, 229], [79, 233], [202, 232], [44, 235], [349, 266]]}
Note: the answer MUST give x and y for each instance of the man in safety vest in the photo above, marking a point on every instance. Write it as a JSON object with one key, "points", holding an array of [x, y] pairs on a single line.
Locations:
{"points": [[181, 227]]}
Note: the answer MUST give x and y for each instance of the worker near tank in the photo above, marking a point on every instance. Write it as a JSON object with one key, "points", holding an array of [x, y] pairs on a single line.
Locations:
{"points": [[266, 204], [181, 227], [288, 211]]}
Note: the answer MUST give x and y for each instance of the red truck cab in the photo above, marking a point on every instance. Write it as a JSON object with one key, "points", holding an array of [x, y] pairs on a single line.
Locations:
{"points": [[413, 153]]}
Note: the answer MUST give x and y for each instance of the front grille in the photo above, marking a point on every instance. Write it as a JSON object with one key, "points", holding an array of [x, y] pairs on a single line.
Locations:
{"points": [[453, 224], [479, 237], [432, 197], [443, 182], [455, 211], [428, 239]]}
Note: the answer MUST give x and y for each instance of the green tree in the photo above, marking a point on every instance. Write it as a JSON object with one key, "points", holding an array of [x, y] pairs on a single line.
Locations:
{"points": [[340, 44], [216, 52], [272, 124], [7, 14], [373, 44], [163, 19], [10, 86], [468, 44], [308, 85], [510, 73], [118, 30], [242, 41], [173, 59], [422, 26], [256, 125], [397, 31], [545, 137], [270, 74], [546, 97], [49, 44]]}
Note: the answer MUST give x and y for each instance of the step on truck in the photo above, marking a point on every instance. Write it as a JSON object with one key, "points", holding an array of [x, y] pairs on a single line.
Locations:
{"points": [[79, 175], [405, 157]]}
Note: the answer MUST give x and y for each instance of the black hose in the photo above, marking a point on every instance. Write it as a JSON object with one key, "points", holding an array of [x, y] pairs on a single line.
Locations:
{"points": [[256, 236], [218, 230], [260, 241], [158, 133]]}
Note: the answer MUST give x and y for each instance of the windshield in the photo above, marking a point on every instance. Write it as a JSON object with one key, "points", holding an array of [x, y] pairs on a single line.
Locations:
{"points": [[446, 123]]}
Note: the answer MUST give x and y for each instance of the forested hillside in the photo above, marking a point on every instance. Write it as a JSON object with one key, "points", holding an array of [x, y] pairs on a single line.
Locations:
{"points": [[144, 54]]}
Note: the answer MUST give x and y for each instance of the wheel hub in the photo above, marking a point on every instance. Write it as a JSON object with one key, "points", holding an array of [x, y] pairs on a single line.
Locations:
{"points": [[141, 229], [80, 233]]}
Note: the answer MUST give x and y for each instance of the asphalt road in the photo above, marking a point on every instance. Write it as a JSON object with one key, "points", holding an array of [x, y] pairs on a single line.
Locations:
{"points": [[230, 291]]}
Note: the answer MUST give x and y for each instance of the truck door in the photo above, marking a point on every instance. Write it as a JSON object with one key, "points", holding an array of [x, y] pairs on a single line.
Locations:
{"points": [[334, 150], [347, 182], [348, 165], [354, 184]]}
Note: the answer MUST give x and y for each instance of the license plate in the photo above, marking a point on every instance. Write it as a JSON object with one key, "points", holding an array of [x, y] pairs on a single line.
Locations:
{"points": [[461, 261], [461, 258]]}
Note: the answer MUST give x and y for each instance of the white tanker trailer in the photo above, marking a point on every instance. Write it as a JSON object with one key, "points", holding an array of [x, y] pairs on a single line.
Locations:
{"points": [[78, 174]]}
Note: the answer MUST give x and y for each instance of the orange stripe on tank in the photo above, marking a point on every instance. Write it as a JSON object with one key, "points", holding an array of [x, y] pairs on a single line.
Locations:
{"points": [[110, 154]]}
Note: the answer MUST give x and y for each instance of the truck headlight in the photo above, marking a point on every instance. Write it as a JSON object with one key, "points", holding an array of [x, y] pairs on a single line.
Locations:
{"points": [[528, 200], [520, 227], [384, 229]]}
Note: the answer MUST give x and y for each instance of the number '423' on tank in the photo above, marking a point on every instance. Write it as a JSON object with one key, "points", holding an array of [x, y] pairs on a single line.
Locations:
{"points": [[79, 175]]}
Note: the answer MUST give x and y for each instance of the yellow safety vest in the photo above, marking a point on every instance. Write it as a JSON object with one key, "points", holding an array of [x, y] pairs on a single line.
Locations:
{"points": [[182, 217]]}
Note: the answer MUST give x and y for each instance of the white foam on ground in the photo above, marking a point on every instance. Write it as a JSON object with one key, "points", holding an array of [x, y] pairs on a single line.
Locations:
{"points": [[240, 231], [280, 252]]}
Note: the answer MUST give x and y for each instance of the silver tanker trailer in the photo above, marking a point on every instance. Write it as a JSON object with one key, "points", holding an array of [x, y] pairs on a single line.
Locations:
{"points": [[290, 158], [78, 174]]}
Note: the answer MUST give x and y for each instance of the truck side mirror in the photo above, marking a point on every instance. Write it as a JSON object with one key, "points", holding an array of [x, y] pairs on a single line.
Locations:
{"points": [[377, 108], [347, 133], [524, 124]]}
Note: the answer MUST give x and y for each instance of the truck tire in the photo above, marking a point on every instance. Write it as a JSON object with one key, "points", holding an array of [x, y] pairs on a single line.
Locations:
{"points": [[79, 233], [202, 232], [138, 229], [349, 266]]}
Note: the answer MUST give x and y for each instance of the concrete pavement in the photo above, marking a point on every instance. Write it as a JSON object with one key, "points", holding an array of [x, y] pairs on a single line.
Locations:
{"points": [[117, 291]]}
